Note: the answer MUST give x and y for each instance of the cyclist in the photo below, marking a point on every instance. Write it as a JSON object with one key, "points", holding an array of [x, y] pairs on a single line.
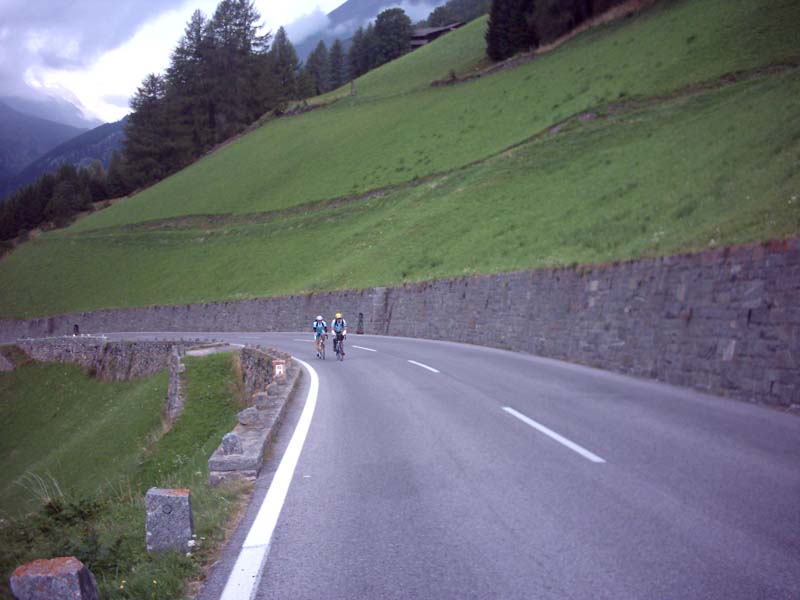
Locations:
{"points": [[320, 328], [339, 328]]}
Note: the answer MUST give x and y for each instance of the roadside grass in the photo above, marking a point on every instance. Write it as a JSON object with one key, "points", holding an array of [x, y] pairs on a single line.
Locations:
{"points": [[55, 421], [105, 527], [385, 137], [715, 168]]}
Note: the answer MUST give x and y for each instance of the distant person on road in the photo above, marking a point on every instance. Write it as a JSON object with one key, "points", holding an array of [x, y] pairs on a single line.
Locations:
{"points": [[320, 328], [339, 328]]}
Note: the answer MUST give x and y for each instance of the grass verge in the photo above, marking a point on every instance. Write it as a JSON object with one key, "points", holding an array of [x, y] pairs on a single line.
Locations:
{"points": [[98, 515]]}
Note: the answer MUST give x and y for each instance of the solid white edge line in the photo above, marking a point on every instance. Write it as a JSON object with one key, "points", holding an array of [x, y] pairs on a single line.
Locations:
{"points": [[552, 434], [419, 364], [362, 348], [246, 573]]}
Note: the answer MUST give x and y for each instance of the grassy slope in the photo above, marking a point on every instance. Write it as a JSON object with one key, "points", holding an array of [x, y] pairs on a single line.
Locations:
{"points": [[56, 421], [90, 434], [359, 144], [718, 167]]}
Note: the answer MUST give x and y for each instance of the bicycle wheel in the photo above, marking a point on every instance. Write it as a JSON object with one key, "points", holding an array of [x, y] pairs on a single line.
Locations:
{"points": [[322, 352]]}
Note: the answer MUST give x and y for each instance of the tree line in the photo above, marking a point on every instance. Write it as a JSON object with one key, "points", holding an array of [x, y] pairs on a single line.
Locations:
{"points": [[522, 25]]}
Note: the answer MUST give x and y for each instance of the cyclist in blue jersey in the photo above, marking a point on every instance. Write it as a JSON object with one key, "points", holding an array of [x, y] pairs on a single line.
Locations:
{"points": [[339, 329], [320, 328]]}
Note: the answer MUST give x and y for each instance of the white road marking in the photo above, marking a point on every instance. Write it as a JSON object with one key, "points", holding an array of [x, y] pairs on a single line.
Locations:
{"points": [[419, 364], [305, 340], [246, 573], [362, 348], [559, 438]]}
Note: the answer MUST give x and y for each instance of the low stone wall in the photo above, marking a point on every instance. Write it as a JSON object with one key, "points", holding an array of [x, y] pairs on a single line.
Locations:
{"points": [[242, 451], [109, 361], [257, 368], [725, 321]]}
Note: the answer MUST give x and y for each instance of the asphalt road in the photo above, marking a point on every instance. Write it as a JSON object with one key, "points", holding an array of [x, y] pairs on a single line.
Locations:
{"points": [[462, 483]]}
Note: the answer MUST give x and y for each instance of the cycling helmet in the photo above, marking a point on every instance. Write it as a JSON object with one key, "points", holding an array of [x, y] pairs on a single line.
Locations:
{"points": [[319, 317], [338, 315]]}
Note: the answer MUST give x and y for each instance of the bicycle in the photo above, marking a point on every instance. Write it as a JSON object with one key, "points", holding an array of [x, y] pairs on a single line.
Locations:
{"points": [[338, 346], [321, 347]]}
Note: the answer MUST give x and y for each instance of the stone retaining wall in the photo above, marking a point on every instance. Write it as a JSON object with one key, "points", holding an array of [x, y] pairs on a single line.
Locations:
{"points": [[109, 361], [257, 368], [725, 321]]}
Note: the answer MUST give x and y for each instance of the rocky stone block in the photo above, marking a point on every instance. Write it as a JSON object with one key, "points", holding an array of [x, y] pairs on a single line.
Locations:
{"points": [[54, 579], [170, 524], [261, 400], [249, 416], [231, 444]]}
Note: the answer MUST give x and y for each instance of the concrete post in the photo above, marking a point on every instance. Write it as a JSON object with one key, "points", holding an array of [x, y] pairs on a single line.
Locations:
{"points": [[64, 578], [170, 525]]}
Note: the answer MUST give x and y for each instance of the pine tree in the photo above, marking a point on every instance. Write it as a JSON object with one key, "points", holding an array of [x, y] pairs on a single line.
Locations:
{"points": [[511, 28], [285, 65], [188, 87], [392, 35], [338, 69], [147, 145], [117, 183], [318, 68], [355, 57]]}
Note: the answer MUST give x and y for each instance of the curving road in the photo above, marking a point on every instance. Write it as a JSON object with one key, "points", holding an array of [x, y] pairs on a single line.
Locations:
{"points": [[479, 473]]}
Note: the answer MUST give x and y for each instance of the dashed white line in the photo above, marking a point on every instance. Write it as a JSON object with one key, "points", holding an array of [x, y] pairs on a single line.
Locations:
{"points": [[362, 348], [552, 434], [246, 573], [419, 364], [305, 340]]}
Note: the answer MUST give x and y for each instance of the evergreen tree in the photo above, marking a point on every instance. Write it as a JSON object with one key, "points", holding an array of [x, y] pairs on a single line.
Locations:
{"points": [[236, 45], [188, 83], [285, 65], [338, 67], [392, 36], [457, 11], [117, 184], [511, 28], [147, 144], [318, 68], [356, 56]]}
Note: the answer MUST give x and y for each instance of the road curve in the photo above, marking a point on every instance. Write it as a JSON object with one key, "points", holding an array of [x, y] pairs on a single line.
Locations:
{"points": [[442, 470]]}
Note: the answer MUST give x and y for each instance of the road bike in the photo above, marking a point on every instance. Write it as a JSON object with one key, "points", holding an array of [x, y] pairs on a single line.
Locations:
{"points": [[321, 347], [338, 347]]}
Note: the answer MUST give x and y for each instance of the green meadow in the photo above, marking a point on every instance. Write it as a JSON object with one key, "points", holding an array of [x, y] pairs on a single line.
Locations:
{"points": [[77, 456], [466, 178]]}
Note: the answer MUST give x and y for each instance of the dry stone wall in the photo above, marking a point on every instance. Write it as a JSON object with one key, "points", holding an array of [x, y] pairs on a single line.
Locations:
{"points": [[725, 321], [109, 361]]}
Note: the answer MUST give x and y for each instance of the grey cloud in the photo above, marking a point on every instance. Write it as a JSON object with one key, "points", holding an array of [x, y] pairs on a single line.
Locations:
{"points": [[307, 25], [117, 100], [65, 33]]}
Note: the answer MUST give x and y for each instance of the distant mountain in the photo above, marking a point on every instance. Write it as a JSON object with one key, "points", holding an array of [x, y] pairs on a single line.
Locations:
{"points": [[51, 108], [24, 138], [344, 20], [96, 144]]}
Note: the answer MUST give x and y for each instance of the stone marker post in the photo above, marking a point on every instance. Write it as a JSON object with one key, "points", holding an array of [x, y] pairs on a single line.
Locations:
{"points": [[64, 578], [279, 370], [170, 524]]}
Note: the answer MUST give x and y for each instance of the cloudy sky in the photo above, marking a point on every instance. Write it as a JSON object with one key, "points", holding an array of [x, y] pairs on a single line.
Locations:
{"points": [[96, 52]]}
